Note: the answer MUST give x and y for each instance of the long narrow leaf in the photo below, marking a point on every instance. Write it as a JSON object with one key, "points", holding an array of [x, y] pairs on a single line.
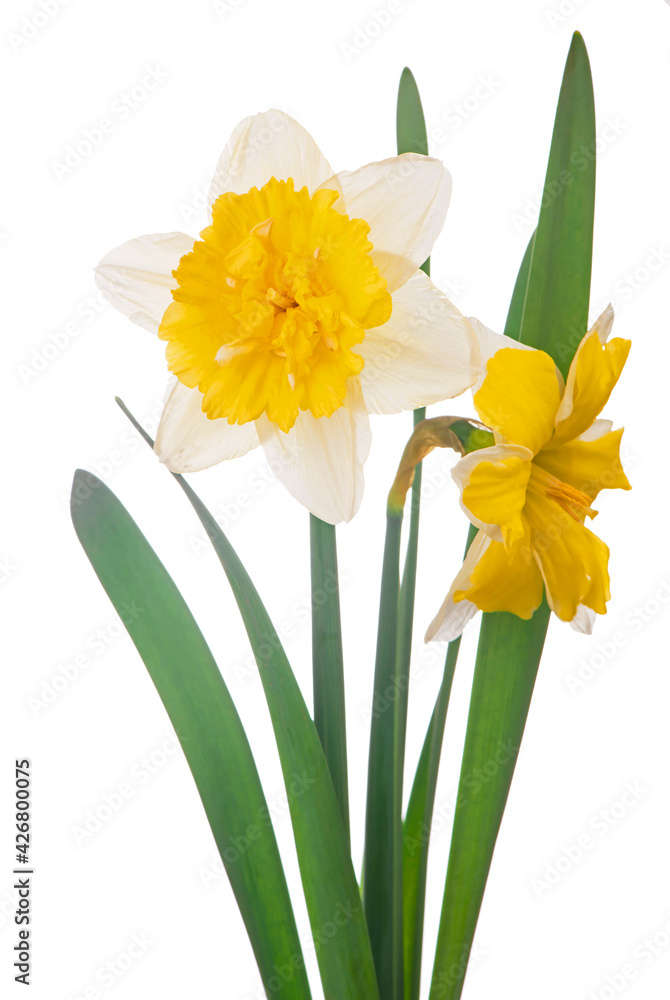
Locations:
{"points": [[505, 670], [518, 304], [418, 820], [382, 873], [554, 317], [556, 309], [205, 719], [341, 938], [327, 660], [411, 137]]}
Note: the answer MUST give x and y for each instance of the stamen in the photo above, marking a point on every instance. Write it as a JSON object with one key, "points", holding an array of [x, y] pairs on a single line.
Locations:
{"points": [[573, 501]]}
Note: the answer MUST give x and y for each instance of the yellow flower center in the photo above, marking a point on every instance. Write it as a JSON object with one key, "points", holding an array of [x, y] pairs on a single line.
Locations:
{"points": [[571, 500], [270, 304]]}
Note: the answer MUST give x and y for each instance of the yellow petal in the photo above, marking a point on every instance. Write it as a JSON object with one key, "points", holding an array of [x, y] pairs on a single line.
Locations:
{"points": [[588, 465], [503, 581], [493, 483], [572, 559], [519, 397], [594, 372], [452, 617]]}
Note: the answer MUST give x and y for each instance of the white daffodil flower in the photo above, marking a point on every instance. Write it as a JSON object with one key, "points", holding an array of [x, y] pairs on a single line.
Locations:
{"points": [[299, 310]]}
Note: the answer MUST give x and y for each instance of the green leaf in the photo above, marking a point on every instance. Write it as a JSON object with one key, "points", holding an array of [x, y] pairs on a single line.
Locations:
{"points": [[327, 661], [518, 303], [507, 660], [553, 317], [556, 310], [382, 869], [411, 137], [418, 821], [336, 915], [205, 719], [410, 122], [382, 865]]}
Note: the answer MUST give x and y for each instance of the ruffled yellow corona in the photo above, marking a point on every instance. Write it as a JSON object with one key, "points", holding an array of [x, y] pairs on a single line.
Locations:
{"points": [[270, 304]]}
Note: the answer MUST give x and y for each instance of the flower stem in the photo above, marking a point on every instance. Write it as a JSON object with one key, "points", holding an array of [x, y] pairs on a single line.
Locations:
{"points": [[382, 868]]}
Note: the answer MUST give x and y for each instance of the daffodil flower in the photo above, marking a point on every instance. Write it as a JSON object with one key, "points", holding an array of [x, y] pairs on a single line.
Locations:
{"points": [[299, 310], [531, 492]]}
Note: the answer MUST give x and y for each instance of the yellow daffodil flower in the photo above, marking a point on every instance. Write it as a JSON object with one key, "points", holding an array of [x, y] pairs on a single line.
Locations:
{"points": [[299, 310], [531, 492]]}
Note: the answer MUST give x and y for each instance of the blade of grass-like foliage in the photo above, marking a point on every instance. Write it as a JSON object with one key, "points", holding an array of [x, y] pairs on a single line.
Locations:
{"points": [[411, 133], [411, 137], [418, 821], [518, 303], [382, 863], [556, 309], [553, 318], [336, 915], [505, 670], [417, 825], [382, 868], [327, 661], [204, 717]]}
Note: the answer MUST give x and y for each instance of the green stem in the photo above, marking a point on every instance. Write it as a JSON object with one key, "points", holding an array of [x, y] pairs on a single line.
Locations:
{"points": [[382, 869], [408, 592], [327, 659], [418, 822]]}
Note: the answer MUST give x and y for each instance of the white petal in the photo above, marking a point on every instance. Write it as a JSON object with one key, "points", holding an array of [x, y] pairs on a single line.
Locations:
{"points": [[490, 343], [188, 441], [453, 616], [404, 200], [597, 429], [462, 471], [584, 620], [603, 325], [425, 353], [320, 460], [270, 144], [137, 276]]}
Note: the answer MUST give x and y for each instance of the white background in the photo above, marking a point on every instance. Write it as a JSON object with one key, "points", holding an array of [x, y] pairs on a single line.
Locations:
{"points": [[144, 871]]}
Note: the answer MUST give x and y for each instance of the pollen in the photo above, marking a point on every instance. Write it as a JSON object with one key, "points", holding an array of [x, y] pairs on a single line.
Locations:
{"points": [[271, 305]]}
